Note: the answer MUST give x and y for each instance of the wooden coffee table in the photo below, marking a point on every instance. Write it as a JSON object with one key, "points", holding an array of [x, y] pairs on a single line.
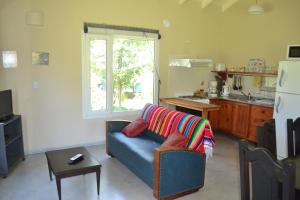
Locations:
{"points": [[58, 165]]}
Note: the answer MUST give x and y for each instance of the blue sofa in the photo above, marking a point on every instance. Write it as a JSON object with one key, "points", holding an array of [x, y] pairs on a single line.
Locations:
{"points": [[171, 172]]}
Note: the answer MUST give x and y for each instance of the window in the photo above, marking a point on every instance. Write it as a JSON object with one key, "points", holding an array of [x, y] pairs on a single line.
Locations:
{"points": [[119, 72]]}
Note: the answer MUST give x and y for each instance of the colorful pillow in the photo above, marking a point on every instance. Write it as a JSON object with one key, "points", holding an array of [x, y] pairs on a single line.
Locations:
{"points": [[175, 140], [135, 128]]}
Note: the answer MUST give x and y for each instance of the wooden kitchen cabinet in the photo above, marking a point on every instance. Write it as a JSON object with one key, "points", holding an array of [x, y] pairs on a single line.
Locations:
{"points": [[258, 116], [240, 119], [214, 115], [225, 116]]}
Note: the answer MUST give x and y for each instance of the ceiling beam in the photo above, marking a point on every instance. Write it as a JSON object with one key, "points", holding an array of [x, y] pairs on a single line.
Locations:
{"points": [[228, 4], [205, 3], [180, 2]]}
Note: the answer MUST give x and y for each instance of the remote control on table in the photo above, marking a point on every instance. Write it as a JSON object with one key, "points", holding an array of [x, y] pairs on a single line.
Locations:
{"points": [[76, 159]]}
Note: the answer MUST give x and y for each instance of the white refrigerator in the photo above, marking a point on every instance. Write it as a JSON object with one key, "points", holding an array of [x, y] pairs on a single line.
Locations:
{"points": [[287, 102]]}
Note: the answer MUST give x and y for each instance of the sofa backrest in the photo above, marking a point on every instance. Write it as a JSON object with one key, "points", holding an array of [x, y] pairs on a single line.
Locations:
{"points": [[154, 136]]}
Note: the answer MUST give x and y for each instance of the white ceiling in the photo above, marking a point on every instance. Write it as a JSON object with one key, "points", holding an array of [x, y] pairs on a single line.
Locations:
{"points": [[224, 4]]}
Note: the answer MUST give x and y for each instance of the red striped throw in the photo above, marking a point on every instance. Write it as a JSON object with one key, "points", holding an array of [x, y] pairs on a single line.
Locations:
{"points": [[164, 121]]}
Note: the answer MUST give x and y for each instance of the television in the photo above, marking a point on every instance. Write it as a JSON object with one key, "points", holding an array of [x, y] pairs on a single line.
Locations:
{"points": [[6, 107]]}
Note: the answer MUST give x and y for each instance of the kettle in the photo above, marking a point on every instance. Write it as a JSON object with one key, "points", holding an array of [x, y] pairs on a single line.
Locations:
{"points": [[225, 90]]}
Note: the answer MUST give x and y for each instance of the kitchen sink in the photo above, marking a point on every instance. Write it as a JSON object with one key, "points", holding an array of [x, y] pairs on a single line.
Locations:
{"points": [[254, 100], [239, 97]]}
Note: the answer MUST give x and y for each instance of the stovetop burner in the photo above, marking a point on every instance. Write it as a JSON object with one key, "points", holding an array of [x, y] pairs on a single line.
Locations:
{"points": [[192, 97], [196, 99]]}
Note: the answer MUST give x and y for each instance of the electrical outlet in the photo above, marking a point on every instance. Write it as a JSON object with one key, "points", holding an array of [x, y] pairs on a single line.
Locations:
{"points": [[35, 85]]}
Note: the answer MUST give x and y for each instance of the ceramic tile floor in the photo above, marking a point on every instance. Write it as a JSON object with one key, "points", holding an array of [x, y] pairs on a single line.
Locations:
{"points": [[30, 179]]}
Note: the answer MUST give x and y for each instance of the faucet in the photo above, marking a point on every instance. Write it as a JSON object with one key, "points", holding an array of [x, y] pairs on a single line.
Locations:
{"points": [[247, 95]]}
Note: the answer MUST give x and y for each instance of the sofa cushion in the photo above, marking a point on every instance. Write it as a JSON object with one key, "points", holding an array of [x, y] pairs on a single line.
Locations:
{"points": [[175, 140], [136, 153], [135, 128]]}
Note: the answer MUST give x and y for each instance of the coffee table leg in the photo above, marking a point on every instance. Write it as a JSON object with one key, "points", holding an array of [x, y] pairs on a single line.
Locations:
{"points": [[58, 185], [50, 173], [98, 180]]}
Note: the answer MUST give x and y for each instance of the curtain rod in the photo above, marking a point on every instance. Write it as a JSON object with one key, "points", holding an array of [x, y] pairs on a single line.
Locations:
{"points": [[122, 28]]}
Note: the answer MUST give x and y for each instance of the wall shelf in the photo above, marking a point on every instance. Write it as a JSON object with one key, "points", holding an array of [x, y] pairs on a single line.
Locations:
{"points": [[225, 73]]}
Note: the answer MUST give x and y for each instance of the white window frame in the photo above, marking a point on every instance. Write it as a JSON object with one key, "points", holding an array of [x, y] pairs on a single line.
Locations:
{"points": [[88, 113]]}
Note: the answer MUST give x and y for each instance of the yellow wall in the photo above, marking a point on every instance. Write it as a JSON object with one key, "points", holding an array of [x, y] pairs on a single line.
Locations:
{"points": [[52, 114], [263, 36]]}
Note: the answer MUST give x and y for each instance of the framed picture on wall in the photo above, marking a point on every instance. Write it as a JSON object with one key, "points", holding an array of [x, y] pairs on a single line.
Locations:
{"points": [[40, 58]]}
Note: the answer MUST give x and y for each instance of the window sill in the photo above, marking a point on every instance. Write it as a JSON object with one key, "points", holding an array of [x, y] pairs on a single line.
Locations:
{"points": [[96, 115]]}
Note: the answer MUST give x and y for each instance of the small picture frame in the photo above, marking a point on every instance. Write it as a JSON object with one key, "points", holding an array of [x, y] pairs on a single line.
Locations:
{"points": [[40, 58]]}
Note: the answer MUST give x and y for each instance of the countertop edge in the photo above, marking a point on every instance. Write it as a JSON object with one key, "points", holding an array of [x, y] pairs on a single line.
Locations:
{"points": [[241, 101]]}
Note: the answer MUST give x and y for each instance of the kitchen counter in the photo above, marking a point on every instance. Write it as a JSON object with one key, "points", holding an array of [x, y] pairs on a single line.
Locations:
{"points": [[190, 104], [242, 99]]}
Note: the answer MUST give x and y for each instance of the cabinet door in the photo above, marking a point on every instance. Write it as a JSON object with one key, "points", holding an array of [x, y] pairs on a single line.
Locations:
{"points": [[258, 116], [214, 115], [240, 119], [225, 116]]}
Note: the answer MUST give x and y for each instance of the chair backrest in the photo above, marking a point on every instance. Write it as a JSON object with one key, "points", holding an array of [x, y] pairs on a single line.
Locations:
{"points": [[266, 136], [293, 131], [269, 180]]}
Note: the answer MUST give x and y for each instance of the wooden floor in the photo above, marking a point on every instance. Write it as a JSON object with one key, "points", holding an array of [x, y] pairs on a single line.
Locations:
{"points": [[30, 179]]}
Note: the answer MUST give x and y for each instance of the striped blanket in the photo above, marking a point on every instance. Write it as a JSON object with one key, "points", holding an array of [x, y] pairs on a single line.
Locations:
{"points": [[164, 121]]}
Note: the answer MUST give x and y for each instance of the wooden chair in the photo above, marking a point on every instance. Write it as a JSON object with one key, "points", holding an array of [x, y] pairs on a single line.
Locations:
{"points": [[293, 131], [266, 136], [269, 179]]}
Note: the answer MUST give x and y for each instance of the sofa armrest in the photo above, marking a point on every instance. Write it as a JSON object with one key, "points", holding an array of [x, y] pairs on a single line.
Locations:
{"points": [[114, 126], [177, 171]]}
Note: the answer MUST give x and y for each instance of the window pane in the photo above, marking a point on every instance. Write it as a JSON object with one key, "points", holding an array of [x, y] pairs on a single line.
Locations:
{"points": [[133, 64], [98, 74]]}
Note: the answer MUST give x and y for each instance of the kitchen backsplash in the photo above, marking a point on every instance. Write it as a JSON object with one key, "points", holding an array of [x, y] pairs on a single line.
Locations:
{"points": [[257, 86], [187, 81]]}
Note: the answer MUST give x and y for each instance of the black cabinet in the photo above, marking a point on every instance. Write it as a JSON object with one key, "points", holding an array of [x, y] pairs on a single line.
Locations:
{"points": [[11, 144]]}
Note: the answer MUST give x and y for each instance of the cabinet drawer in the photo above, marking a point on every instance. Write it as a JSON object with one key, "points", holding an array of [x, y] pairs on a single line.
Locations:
{"points": [[259, 112], [258, 116]]}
